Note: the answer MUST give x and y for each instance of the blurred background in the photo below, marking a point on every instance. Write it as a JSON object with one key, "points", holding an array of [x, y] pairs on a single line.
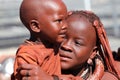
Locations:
{"points": [[13, 33]]}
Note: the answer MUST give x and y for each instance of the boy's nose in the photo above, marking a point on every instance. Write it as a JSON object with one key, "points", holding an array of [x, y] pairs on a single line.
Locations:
{"points": [[64, 25]]}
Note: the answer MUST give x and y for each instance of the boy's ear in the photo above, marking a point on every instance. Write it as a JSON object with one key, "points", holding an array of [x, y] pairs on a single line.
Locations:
{"points": [[35, 25]]}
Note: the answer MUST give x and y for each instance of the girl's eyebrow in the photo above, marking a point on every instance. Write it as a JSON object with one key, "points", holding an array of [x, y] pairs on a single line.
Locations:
{"points": [[81, 38]]}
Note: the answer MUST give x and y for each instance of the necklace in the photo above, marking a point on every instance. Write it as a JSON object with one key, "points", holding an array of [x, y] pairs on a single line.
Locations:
{"points": [[87, 72]]}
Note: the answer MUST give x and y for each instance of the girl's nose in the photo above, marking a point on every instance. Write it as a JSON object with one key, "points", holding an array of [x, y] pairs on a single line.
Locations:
{"points": [[66, 47]]}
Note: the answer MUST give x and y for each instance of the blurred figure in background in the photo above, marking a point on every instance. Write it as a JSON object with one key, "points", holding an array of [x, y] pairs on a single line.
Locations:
{"points": [[6, 67]]}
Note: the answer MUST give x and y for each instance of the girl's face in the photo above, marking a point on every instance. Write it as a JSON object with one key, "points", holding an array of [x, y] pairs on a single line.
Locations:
{"points": [[79, 43]]}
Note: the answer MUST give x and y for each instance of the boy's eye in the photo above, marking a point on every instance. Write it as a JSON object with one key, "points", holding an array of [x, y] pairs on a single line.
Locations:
{"points": [[59, 20]]}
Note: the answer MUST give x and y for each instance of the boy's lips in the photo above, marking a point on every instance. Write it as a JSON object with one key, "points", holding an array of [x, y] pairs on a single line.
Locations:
{"points": [[63, 33]]}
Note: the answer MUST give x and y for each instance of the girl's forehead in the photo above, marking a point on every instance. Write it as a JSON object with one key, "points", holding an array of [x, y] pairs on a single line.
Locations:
{"points": [[79, 23], [81, 27]]}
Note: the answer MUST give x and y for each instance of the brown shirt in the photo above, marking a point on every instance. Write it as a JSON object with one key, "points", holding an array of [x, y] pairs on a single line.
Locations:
{"points": [[39, 55]]}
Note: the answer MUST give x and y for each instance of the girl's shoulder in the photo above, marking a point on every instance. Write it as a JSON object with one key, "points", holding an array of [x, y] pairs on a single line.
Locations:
{"points": [[109, 76]]}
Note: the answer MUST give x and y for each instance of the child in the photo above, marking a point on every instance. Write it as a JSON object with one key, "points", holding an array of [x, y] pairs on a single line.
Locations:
{"points": [[85, 52], [45, 21]]}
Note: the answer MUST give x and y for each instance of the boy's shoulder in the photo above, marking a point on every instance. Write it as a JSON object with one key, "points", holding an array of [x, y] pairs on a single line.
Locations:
{"points": [[31, 45], [33, 48]]}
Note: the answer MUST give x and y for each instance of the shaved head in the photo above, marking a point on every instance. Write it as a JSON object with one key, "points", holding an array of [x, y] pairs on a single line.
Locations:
{"points": [[34, 9]]}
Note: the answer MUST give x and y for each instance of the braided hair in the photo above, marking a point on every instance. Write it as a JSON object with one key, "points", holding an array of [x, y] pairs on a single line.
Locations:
{"points": [[102, 40]]}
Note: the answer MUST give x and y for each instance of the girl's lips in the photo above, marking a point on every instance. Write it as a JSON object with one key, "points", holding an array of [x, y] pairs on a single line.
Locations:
{"points": [[64, 55], [64, 58]]}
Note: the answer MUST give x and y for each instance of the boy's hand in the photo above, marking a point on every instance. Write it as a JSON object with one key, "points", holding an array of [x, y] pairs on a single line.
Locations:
{"points": [[33, 72]]}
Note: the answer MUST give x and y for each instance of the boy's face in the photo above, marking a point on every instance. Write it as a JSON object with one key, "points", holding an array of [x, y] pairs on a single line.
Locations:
{"points": [[53, 25], [79, 43]]}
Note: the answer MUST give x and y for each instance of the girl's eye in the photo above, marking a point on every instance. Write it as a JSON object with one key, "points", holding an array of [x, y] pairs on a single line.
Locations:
{"points": [[78, 43]]}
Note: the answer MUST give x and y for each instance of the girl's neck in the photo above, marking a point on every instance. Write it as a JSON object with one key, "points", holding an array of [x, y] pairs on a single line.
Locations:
{"points": [[76, 71]]}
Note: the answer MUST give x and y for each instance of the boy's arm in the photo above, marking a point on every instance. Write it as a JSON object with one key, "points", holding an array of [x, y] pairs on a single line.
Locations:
{"points": [[26, 58], [34, 72], [23, 58]]}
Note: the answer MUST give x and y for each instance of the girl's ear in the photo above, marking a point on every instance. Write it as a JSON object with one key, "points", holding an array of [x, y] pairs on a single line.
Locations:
{"points": [[92, 56], [94, 52], [35, 25]]}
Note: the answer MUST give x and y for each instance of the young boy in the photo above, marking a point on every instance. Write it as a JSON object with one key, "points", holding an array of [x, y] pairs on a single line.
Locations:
{"points": [[45, 21], [84, 51]]}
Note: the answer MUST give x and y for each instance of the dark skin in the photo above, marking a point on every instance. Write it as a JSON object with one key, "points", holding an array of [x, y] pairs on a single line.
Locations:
{"points": [[72, 57], [44, 19], [74, 51], [78, 46]]}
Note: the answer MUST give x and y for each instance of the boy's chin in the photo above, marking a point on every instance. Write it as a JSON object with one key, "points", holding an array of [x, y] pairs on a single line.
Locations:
{"points": [[59, 40]]}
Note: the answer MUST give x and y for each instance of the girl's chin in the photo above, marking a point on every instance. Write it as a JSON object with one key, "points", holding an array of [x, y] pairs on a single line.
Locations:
{"points": [[64, 66]]}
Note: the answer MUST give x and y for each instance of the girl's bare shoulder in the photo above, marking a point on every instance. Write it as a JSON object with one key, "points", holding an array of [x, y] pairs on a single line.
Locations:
{"points": [[109, 76]]}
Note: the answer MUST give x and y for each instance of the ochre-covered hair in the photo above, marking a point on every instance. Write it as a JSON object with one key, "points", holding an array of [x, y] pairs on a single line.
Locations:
{"points": [[102, 40]]}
